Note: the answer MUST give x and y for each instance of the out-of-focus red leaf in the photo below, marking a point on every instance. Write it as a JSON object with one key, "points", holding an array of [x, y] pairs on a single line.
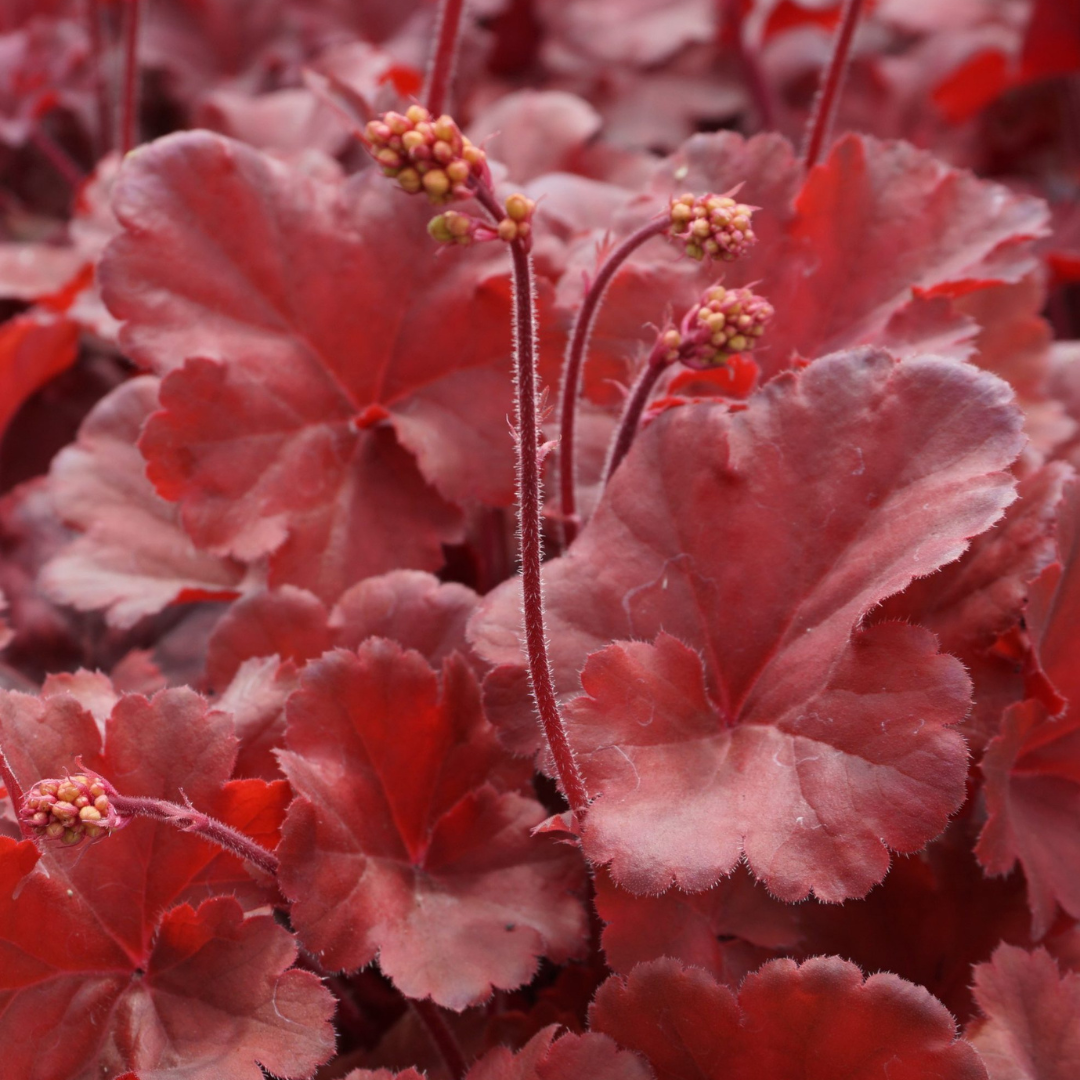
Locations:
{"points": [[400, 846], [116, 962], [33, 348], [977, 82], [1031, 1029], [1032, 768], [816, 1021], [756, 542], [408, 606], [133, 558], [570, 1057], [1052, 44]]}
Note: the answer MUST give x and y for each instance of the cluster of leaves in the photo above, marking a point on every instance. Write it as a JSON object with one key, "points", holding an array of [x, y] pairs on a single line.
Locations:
{"points": [[815, 643]]}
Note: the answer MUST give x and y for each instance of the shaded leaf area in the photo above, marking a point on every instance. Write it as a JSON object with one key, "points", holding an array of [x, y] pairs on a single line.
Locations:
{"points": [[410, 839], [810, 1022], [753, 544], [1032, 768], [128, 974], [1031, 1024]]}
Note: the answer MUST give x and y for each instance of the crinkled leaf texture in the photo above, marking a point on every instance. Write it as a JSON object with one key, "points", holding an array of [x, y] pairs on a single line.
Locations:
{"points": [[544, 1057], [334, 386], [411, 839], [133, 558], [741, 551], [817, 1021], [103, 968], [1032, 768], [1031, 1029]]}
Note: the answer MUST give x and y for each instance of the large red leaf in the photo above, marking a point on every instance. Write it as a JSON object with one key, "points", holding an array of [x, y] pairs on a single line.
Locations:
{"points": [[814, 1022], [133, 558], [1031, 1029], [330, 315], [125, 969], [1032, 768], [759, 540], [408, 841], [210, 998]]}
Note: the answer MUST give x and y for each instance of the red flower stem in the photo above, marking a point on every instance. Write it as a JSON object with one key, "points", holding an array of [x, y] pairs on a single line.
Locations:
{"points": [[97, 77], [527, 425], [189, 819], [431, 1017], [635, 406], [731, 22], [441, 69], [130, 98], [574, 363], [824, 110]]}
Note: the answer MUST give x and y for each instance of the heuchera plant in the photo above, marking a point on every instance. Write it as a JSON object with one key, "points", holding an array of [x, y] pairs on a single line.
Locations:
{"points": [[331, 749]]}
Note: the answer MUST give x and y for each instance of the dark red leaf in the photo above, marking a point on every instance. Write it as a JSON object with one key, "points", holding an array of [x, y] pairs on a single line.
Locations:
{"points": [[400, 846], [570, 1057], [811, 1022], [33, 348]]}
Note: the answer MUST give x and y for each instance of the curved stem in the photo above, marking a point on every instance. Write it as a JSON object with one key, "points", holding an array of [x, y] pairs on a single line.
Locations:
{"points": [[431, 1017], [130, 98], [732, 17], [15, 795], [189, 819], [441, 69], [824, 110], [635, 406], [578, 345], [97, 77]]}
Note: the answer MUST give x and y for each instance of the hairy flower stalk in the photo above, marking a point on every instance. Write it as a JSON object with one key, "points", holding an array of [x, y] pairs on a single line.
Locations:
{"points": [[406, 147], [444, 55], [723, 324], [86, 806], [707, 227]]}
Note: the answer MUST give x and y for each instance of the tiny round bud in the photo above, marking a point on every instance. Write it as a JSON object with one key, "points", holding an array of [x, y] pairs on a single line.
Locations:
{"points": [[89, 813], [417, 114], [519, 208], [409, 180], [507, 230], [436, 183]]}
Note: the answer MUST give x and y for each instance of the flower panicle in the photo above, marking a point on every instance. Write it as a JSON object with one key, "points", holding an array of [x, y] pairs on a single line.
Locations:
{"points": [[714, 227], [72, 809], [426, 154], [724, 323]]}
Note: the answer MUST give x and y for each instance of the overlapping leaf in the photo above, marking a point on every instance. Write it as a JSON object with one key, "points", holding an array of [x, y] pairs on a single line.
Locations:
{"points": [[813, 1022], [753, 543], [411, 841], [118, 977]]}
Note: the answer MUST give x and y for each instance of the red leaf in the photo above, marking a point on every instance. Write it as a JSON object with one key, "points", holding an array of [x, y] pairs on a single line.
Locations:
{"points": [[133, 558], [816, 1021], [570, 1057], [713, 530], [401, 847], [105, 910], [977, 82], [33, 348], [1032, 768], [1031, 1030], [1052, 43], [408, 606]]}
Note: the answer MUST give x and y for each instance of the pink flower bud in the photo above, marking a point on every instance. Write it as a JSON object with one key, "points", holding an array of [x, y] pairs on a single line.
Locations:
{"points": [[711, 226], [70, 810], [426, 154], [722, 324]]}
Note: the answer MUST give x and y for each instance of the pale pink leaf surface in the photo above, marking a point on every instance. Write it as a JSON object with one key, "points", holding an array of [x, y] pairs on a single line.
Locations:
{"points": [[759, 540], [1031, 1024], [134, 558], [410, 840]]}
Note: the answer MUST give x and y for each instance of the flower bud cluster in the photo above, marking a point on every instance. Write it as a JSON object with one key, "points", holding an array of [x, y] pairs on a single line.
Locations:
{"points": [[724, 323], [453, 227], [426, 154], [711, 226], [517, 225], [70, 810]]}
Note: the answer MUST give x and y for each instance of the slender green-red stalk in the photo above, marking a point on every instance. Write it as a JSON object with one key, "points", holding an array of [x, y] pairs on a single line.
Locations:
{"points": [[656, 365], [574, 363]]}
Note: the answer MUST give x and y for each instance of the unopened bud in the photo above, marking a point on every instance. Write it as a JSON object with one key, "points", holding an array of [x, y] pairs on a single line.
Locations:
{"points": [[711, 226], [723, 323]]}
